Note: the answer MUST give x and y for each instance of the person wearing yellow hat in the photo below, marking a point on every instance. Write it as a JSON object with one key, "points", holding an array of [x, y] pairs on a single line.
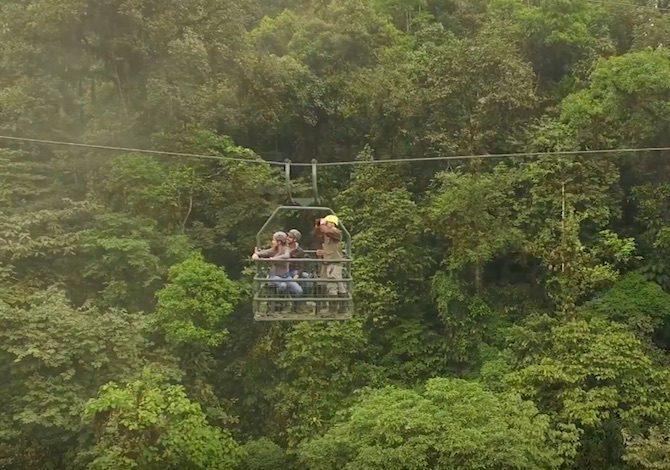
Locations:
{"points": [[331, 249], [332, 219]]}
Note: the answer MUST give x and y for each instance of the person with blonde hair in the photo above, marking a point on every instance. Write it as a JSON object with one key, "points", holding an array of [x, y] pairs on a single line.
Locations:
{"points": [[279, 273]]}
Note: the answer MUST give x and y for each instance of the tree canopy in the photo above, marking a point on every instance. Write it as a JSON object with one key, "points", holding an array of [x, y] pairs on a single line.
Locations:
{"points": [[502, 167]]}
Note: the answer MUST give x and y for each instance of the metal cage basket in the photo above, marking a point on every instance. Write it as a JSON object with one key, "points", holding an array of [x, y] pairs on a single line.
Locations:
{"points": [[315, 289]]}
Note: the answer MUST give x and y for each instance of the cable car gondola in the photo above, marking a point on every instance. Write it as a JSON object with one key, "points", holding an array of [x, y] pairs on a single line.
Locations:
{"points": [[272, 300]]}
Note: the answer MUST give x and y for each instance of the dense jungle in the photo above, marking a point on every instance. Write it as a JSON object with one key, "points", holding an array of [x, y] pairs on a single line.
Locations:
{"points": [[511, 312]]}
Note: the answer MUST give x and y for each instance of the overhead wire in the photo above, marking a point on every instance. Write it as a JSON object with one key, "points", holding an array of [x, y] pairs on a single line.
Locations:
{"points": [[494, 155], [627, 4], [135, 150], [347, 162]]}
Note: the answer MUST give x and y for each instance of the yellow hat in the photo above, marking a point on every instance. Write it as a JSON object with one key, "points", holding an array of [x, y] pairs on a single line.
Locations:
{"points": [[332, 219]]}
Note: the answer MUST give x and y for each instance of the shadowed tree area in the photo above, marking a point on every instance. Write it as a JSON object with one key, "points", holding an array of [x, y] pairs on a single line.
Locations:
{"points": [[510, 312]]}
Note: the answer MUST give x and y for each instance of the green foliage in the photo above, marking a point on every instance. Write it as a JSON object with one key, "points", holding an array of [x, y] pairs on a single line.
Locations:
{"points": [[576, 269], [651, 30], [466, 318], [38, 244], [465, 86], [194, 303], [559, 35], [389, 271], [54, 358], [651, 451], [25, 181], [550, 186], [214, 204], [321, 365], [652, 202], [401, 11], [565, 207], [462, 211], [106, 258], [125, 260], [414, 349], [262, 454], [151, 424], [305, 71], [239, 199], [534, 275], [654, 215], [596, 376], [599, 366], [378, 208], [635, 301], [119, 68], [142, 186], [625, 103], [459, 17], [451, 423]]}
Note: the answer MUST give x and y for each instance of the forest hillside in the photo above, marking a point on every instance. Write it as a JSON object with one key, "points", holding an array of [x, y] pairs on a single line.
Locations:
{"points": [[511, 312]]}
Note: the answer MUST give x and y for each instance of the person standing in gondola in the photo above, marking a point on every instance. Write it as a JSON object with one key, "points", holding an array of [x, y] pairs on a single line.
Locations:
{"points": [[331, 249], [298, 270]]}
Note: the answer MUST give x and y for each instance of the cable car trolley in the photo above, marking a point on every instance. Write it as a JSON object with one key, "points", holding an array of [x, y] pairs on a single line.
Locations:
{"points": [[310, 283]]}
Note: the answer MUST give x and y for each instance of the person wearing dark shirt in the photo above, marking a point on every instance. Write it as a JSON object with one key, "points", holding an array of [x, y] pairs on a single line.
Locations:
{"points": [[296, 251]]}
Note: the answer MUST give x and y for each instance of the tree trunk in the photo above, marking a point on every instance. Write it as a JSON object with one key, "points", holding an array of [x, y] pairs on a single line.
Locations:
{"points": [[188, 213], [478, 277]]}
